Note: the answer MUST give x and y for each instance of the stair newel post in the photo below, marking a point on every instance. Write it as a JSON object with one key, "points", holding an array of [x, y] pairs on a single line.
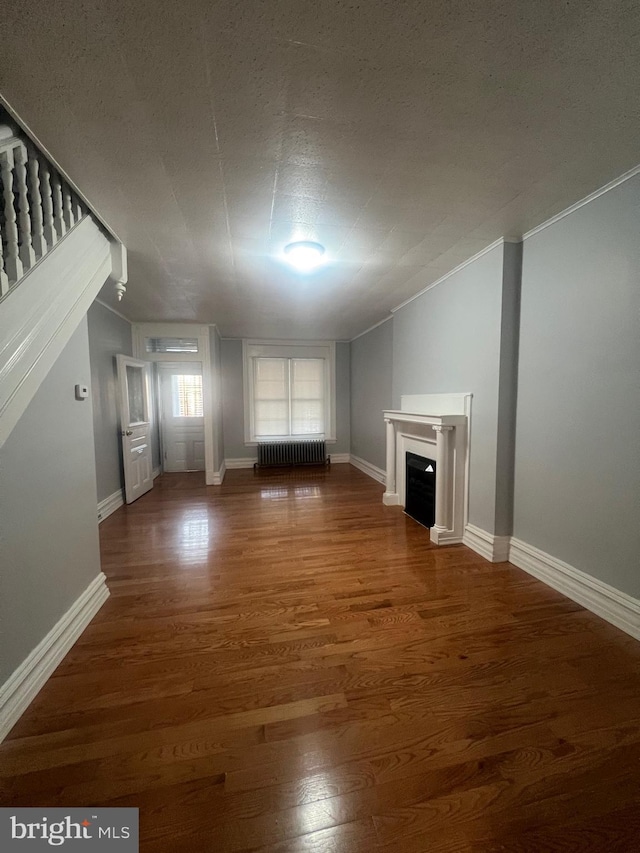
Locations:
{"points": [[13, 264], [27, 254], [58, 217], [37, 221], [49, 227]]}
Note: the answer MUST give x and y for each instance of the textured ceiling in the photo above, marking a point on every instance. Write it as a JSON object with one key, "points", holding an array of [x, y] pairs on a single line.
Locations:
{"points": [[404, 136]]}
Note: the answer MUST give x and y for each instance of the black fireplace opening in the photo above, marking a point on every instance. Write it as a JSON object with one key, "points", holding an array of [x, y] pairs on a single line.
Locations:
{"points": [[420, 497]]}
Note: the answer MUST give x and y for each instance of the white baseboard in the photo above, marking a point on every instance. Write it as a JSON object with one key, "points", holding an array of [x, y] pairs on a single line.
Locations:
{"points": [[340, 458], [367, 468], [110, 505], [491, 547], [218, 476], [616, 607], [243, 462], [156, 472], [17, 693]]}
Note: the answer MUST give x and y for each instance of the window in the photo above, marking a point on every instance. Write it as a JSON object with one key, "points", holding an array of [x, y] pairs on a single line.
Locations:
{"points": [[289, 390], [186, 395], [288, 397]]}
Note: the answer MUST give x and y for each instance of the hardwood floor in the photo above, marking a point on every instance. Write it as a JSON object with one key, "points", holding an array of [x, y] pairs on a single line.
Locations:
{"points": [[287, 665]]}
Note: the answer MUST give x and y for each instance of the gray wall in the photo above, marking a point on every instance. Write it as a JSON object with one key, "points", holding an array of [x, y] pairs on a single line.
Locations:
{"points": [[371, 392], [216, 371], [108, 335], [449, 340], [48, 524], [577, 474], [343, 399], [233, 400]]}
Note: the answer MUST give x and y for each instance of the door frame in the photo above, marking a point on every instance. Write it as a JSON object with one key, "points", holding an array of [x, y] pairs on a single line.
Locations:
{"points": [[141, 331]]}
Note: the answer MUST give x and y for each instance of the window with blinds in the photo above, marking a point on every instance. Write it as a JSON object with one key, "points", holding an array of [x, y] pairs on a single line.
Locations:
{"points": [[186, 393], [289, 397]]}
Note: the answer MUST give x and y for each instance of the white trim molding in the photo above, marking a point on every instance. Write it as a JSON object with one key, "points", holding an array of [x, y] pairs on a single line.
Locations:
{"points": [[616, 607], [156, 473], [339, 458], [369, 469], [218, 476], [488, 545], [21, 688], [243, 462], [109, 505]]}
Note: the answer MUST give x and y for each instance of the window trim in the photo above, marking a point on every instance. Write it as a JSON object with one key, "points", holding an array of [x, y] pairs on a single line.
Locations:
{"points": [[252, 348]]}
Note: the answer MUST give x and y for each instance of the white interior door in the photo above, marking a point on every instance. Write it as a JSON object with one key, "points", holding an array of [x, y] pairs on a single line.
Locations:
{"points": [[135, 426], [182, 416]]}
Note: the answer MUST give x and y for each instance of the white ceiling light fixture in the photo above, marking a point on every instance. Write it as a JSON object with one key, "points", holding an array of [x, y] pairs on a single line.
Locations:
{"points": [[304, 255]]}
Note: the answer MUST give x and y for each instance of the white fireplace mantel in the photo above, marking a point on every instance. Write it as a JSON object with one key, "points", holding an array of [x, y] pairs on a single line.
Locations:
{"points": [[444, 438]]}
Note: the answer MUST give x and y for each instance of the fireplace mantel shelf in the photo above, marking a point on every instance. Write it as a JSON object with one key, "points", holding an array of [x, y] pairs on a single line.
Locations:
{"points": [[428, 420]]}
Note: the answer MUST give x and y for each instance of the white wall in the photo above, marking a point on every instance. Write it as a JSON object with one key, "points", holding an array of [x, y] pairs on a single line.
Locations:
{"points": [[48, 523], [577, 473]]}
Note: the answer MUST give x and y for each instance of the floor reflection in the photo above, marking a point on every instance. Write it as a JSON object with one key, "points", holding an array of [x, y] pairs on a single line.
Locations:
{"points": [[279, 492]]}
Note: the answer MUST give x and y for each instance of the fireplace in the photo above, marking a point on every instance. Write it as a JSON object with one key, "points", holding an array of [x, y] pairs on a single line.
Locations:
{"points": [[432, 428], [420, 489]]}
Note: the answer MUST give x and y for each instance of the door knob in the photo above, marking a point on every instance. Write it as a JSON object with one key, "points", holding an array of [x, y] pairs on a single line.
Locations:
{"points": [[128, 432]]}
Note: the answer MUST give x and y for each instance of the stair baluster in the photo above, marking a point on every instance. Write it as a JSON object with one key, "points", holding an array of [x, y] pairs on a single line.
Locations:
{"points": [[58, 213], [27, 254], [50, 234], [67, 207], [37, 206], [13, 264]]}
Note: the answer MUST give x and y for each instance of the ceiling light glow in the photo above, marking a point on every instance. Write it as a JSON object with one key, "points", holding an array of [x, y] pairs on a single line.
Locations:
{"points": [[304, 255]]}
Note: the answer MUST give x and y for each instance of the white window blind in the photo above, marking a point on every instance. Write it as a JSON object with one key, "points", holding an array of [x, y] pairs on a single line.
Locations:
{"points": [[289, 397], [186, 393]]}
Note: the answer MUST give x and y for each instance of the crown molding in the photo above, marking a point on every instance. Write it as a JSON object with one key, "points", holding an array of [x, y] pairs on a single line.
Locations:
{"points": [[586, 200], [455, 270]]}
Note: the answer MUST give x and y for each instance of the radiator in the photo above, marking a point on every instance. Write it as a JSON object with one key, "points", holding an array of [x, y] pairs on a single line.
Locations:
{"points": [[292, 453]]}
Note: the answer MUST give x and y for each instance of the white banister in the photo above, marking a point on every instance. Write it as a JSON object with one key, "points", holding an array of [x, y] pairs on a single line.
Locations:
{"points": [[13, 264], [38, 206], [37, 220], [27, 255]]}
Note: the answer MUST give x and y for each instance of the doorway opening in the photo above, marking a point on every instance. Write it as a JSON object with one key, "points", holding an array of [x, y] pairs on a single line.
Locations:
{"points": [[181, 410]]}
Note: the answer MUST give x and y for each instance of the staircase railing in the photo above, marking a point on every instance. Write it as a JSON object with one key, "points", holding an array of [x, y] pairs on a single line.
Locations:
{"points": [[37, 207]]}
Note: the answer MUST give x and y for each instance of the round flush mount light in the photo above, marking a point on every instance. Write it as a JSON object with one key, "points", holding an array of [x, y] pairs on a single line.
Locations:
{"points": [[304, 255]]}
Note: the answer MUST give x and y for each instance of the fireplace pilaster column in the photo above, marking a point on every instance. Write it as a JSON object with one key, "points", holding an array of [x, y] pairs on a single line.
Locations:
{"points": [[442, 521], [390, 496]]}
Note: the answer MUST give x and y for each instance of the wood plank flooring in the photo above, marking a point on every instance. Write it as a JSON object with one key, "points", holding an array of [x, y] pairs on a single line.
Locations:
{"points": [[287, 666]]}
